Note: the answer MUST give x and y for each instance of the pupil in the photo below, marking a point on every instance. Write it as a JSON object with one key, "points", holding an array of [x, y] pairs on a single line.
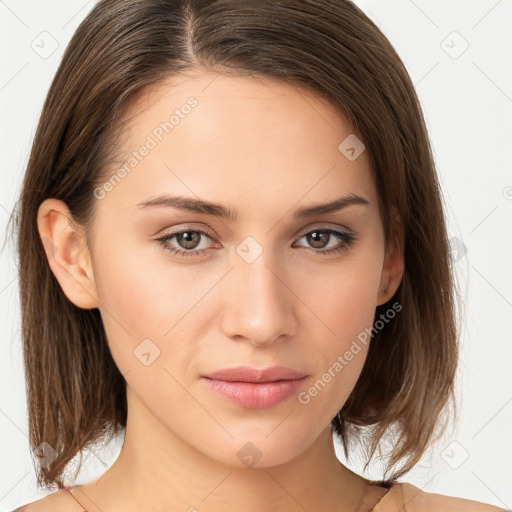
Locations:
{"points": [[186, 239], [316, 237]]}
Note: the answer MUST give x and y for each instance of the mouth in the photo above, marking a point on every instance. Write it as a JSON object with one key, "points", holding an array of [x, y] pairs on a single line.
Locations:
{"points": [[253, 388]]}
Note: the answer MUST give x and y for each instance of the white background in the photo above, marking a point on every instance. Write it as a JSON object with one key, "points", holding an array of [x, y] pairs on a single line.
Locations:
{"points": [[467, 100]]}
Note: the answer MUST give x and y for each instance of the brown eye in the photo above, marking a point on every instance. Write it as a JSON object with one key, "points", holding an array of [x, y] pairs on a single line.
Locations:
{"points": [[186, 241], [320, 239]]}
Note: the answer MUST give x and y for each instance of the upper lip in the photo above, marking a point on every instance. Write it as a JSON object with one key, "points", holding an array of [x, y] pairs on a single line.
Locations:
{"points": [[249, 374]]}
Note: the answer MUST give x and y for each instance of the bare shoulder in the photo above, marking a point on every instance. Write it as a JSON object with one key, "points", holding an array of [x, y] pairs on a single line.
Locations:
{"points": [[59, 501], [417, 500]]}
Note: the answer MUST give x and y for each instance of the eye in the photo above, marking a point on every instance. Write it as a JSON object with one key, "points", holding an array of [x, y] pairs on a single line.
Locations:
{"points": [[322, 238], [188, 239]]}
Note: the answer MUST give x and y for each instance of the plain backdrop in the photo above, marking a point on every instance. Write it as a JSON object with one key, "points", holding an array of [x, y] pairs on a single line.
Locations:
{"points": [[458, 55]]}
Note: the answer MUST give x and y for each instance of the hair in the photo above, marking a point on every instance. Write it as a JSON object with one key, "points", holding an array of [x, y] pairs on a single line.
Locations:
{"points": [[76, 394]]}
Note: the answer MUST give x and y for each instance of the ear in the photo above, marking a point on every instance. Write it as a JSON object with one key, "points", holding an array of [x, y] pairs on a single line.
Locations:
{"points": [[393, 266], [67, 252]]}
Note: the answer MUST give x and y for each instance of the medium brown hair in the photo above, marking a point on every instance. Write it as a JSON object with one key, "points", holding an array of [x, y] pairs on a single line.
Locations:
{"points": [[76, 394]]}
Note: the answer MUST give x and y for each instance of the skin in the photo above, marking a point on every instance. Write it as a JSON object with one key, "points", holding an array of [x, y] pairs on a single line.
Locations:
{"points": [[263, 148]]}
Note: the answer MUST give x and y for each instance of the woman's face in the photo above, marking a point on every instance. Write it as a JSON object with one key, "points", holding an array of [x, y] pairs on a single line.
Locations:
{"points": [[260, 287]]}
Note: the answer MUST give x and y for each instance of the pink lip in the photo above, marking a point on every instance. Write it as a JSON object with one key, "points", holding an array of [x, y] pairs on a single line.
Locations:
{"points": [[255, 389]]}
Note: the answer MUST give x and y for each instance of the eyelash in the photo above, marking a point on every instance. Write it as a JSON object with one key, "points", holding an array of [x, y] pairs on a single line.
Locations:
{"points": [[347, 239]]}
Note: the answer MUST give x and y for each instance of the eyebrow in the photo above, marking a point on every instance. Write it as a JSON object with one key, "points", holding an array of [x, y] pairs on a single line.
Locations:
{"points": [[218, 210]]}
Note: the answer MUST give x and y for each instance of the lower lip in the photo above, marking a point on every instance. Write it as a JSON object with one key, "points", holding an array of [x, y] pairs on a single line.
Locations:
{"points": [[252, 395]]}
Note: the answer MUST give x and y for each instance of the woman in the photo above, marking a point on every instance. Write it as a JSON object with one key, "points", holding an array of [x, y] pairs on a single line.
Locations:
{"points": [[232, 245]]}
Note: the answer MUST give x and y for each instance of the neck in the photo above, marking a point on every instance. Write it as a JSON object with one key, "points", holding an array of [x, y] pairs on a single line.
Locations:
{"points": [[157, 471]]}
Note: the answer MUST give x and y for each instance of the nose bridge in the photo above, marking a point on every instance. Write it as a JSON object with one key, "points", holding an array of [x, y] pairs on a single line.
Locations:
{"points": [[259, 306]]}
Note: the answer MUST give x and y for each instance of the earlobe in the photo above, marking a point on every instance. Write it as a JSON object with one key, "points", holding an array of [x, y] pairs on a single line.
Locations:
{"points": [[67, 252], [393, 267]]}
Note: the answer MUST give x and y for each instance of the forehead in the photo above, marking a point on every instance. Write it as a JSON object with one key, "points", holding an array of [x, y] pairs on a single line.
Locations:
{"points": [[245, 136]]}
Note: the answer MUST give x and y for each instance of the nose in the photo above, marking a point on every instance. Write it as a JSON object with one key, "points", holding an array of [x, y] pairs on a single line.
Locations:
{"points": [[259, 305]]}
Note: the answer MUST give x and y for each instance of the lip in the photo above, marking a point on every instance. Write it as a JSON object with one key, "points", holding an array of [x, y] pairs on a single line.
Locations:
{"points": [[249, 374], [254, 388]]}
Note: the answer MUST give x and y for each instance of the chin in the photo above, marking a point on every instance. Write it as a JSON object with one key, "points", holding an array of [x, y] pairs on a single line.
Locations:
{"points": [[260, 451]]}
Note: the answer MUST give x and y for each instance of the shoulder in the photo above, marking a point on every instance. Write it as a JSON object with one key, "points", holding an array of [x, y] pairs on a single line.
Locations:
{"points": [[416, 500], [59, 501]]}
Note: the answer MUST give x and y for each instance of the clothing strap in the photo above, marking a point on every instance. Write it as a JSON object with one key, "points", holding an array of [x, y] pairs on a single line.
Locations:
{"points": [[71, 494]]}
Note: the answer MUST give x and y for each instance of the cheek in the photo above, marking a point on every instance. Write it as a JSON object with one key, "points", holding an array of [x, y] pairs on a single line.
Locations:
{"points": [[340, 354], [344, 302], [344, 299], [143, 297], [131, 300]]}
